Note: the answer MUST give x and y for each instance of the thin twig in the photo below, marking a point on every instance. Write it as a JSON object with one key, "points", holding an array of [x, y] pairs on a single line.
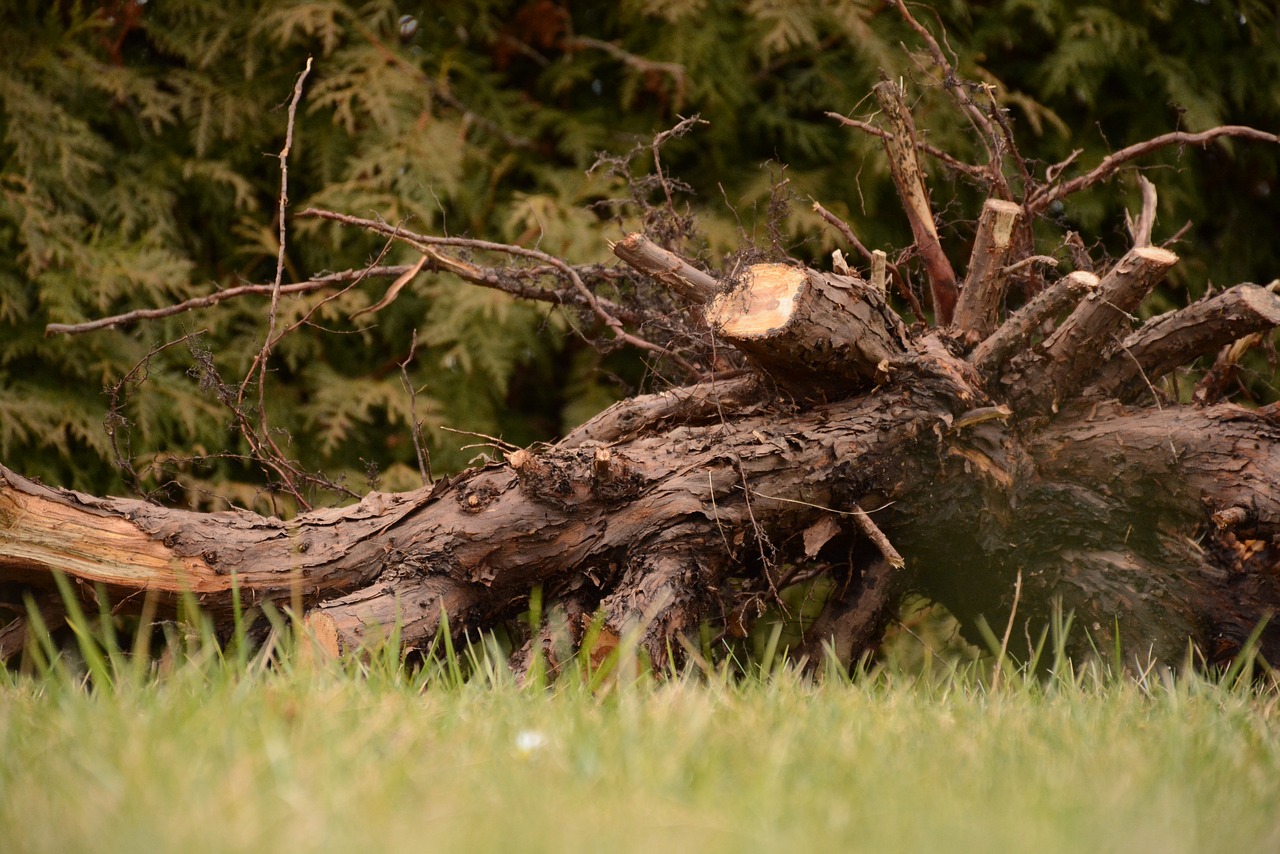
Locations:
{"points": [[284, 203], [424, 242], [676, 132], [493, 441], [847, 233], [393, 291], [1008, 630], [955, 87], [977, 173], [262, 435], [116, 422], [424, 456], [314, 284], [877, 537]]}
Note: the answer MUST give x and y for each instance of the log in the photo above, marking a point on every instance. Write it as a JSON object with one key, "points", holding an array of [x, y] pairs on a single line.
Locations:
{"points": [[1090, 510], [650, 539], [814, 334]]}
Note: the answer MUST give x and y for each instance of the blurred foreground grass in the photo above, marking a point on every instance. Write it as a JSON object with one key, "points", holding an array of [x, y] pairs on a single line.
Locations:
{"points": [[272, 750]]}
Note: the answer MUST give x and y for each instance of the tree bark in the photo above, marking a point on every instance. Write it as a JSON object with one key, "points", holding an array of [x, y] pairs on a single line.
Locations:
{"points": [[682, 511]]}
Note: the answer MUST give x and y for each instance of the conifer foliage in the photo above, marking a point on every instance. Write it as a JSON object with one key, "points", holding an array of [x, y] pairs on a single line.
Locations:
{"points": [[137, 170]]}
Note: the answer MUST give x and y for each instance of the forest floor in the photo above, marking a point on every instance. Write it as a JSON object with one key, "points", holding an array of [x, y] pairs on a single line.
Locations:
{"points": [[274, 750]]}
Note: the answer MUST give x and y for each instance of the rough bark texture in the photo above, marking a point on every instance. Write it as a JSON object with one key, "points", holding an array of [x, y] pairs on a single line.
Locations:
{"points": [[1095, 509]]}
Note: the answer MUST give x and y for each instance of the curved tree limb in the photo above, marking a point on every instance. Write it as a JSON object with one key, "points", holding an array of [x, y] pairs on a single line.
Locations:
{"points": [[1047, 195]]}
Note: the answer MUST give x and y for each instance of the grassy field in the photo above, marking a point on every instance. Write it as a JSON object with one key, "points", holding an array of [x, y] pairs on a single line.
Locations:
{"points": [[277, 752]]}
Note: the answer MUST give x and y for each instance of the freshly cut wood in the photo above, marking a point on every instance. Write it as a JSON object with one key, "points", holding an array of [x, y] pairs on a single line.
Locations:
{"points": [[813, 333], [978, 310]]}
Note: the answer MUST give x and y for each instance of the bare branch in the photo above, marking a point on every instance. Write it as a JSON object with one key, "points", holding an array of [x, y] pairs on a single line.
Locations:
{"points": [[977, 173], [955, 87], [309, 286], [877, 537], [989, 356], [667, 267], [909, 179], [682, 128], [1046, 196], [1174, 339], [425, 242], [260, 440], [415, 429], [1071, 352]]}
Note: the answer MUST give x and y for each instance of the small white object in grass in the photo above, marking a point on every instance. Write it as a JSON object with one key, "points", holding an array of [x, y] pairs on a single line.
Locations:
{"points": [[529, 741]]}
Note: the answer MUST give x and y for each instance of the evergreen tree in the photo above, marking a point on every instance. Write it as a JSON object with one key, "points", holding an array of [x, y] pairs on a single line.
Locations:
{"points": [[137, 170]]}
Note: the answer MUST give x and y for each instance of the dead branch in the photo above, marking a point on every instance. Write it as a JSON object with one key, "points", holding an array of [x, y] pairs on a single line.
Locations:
{"points": [[260, 440], [667, 267], [955, 87], [1012, 336], [1045, 196], [978, 310], [393, 291], [310, 286], [426, 242], [1176, 338], [872, 532], [1070, 354], [909, 179], [977, 173]]}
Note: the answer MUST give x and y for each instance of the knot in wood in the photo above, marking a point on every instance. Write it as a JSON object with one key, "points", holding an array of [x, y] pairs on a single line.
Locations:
{"points": [[545, 479], [612, 478], [477, 497]]}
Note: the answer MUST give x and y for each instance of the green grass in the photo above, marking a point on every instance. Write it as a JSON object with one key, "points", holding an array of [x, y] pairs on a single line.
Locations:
{"points": [[274, 752]]}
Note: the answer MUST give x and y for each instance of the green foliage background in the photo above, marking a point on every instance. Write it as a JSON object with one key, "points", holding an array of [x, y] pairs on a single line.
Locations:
{"points": [[138, 168]]}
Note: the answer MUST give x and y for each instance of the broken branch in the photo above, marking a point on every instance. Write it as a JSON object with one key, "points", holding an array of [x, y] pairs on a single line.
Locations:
{"points": [[1174, 339], [667, 267], [978, 310], [907, 176]]}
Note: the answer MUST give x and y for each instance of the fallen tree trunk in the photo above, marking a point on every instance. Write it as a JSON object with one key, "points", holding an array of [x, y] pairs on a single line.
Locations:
{"points": [[1005, 468], [702, 503]]}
